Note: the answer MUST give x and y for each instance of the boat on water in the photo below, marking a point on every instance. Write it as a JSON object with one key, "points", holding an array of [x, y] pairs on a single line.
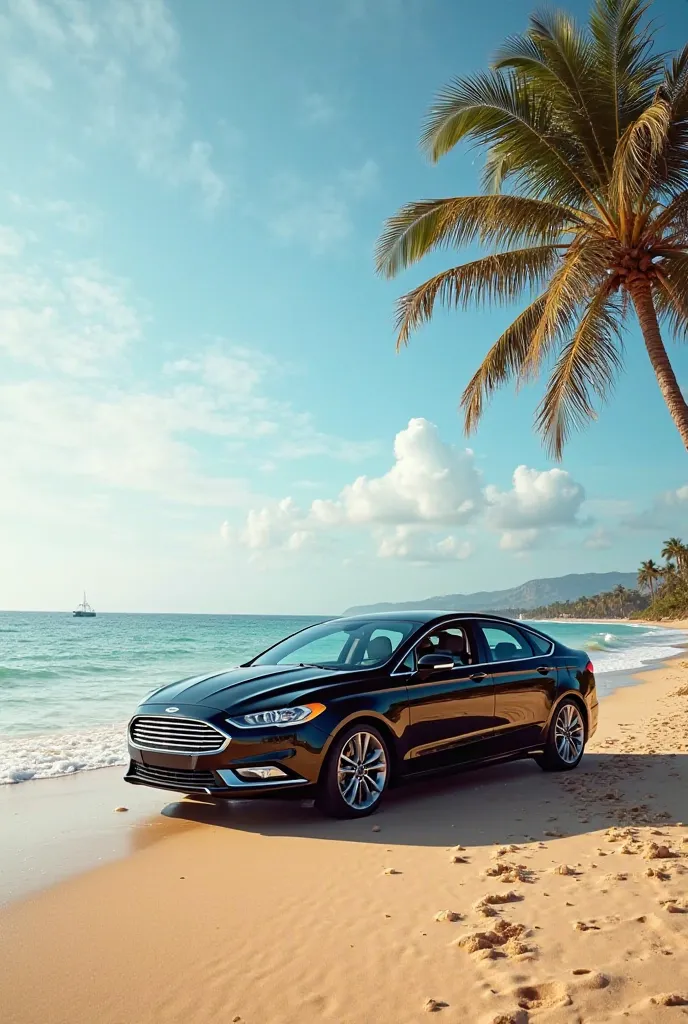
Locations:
{"points": [[84, 610]]}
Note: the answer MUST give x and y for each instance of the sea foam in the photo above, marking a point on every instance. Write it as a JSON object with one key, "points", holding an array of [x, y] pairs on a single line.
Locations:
{"points": [[40, 756]]}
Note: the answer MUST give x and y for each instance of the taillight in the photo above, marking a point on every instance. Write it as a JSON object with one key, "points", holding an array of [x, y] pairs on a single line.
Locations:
{"points": [[590, 668]]}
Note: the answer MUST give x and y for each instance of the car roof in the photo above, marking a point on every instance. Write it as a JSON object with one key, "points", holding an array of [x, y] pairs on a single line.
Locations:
{"points": [[422, 616]]}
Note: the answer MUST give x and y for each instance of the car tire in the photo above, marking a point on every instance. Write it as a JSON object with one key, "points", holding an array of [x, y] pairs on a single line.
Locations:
{"points": [[566, 738], [355, 774]]}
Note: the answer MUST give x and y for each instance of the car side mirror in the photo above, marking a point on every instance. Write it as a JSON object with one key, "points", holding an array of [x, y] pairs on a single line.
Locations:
{"points": [[433, 662]]}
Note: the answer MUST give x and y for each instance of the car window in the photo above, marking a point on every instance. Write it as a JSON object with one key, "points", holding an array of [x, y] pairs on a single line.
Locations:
{"points": [[324, 650], [540, 644], [506, 643], [409, 662], [381, 644], [340, 644], [451, 640]]}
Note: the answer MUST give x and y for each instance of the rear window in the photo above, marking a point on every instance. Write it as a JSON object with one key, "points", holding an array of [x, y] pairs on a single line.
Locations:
{"points": [[506, 642], [539, 643]]}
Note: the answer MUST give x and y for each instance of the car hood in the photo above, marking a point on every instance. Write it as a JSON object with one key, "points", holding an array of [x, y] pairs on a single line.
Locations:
{"points": [[242, 686]]}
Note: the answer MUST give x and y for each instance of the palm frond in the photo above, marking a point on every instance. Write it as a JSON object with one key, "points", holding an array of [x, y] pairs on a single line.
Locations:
{"points": [[499, 278], [582, 272], [585, 369], [671, 296], [498, 109], [627, 69], [502, 363], [557, 57], [671, 218], [497, 169], [500, 220], [637, 153], [675, 157]]}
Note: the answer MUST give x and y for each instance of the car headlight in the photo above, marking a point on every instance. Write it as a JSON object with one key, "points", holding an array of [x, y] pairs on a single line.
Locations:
{"points": [[283, 716]]}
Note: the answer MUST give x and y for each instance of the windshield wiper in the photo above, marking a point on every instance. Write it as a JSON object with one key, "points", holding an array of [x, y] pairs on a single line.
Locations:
{"points": [[304, 664]]}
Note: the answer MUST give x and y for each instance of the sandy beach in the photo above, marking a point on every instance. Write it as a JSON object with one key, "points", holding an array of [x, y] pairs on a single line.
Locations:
{"points": [[502, 895]]}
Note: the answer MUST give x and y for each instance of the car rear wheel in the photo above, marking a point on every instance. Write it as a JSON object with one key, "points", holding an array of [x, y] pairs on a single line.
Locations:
{"points": [[355, 774], [565, 741]]}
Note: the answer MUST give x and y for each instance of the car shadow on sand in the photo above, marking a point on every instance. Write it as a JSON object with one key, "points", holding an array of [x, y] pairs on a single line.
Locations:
{"points": [[498, 804]]}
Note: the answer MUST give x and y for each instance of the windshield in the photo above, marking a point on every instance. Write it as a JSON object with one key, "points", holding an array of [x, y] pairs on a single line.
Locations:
{"points": [[359, 643]]}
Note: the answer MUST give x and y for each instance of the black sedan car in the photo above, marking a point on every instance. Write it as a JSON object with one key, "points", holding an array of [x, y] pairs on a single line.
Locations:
{"points": [[345, 707]]}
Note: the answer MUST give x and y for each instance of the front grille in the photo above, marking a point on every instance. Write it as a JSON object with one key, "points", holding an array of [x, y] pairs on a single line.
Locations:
{"points": [[173, 778], [178, 735]]}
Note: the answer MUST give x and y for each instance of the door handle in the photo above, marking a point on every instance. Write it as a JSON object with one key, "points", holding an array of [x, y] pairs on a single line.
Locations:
{"points": [[544, 670], [477, 677]]}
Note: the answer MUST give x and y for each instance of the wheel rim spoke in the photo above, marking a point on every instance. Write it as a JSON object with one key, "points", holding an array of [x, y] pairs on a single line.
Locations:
{"points": [[362, 770], [569, 734]]}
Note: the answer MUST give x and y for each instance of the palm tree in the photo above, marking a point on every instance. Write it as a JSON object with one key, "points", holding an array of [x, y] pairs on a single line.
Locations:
{"points": [[588, 130], [674, 549], [648, 574], [670, 576], [620, 593]]}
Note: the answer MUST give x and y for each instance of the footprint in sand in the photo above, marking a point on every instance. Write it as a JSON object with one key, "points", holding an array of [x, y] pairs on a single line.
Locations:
{"points": [[545, 996], [433, 1005], [447, 915], [503, 940], [515, 1017], [669, 999]]}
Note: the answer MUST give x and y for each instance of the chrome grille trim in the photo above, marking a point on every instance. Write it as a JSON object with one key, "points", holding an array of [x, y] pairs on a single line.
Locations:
{"points": [[174, 778], [176, 735]]}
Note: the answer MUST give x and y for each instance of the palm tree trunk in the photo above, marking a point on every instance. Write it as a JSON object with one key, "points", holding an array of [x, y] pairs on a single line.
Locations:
{"points": [[641, 293]]}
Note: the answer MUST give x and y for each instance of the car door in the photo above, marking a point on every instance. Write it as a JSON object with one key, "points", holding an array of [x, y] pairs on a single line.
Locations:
{"points": [[525, 684], [451, 710]]}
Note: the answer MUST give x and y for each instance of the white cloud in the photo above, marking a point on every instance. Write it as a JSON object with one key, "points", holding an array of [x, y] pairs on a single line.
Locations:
{"points": [[537, 499], [407, 544], [319, 217], [318, 109], [668, 511], [72, 317], [430, 486], [519, 540], [277, 526], [73, 217], [117, 60], [599, 540], [430, 481]]}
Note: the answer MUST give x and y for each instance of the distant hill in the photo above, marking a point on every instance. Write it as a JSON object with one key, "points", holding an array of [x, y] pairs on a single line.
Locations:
{"points": [[532, 594]]}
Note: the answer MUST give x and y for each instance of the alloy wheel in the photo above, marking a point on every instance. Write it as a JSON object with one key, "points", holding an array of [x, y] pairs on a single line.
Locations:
{"points": [[569, 733], [362, 770]]}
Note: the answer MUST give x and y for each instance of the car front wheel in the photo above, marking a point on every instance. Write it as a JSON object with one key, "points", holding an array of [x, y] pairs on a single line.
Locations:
{"points": [[565, 740], [355, 774]]}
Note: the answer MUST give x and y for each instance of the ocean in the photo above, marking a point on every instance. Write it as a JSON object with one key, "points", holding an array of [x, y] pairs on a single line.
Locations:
{"points": [[68, 686]]}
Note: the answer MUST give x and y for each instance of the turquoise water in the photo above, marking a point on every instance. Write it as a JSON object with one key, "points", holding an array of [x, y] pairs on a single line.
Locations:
{"points": [[67, 686]]}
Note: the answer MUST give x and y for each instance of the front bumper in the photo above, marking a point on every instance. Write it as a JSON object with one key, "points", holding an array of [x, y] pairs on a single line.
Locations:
{"points": [[298, 753]]}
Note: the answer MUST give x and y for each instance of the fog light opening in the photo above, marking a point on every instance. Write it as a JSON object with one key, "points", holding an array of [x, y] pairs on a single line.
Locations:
{"points": [[269, 771]]}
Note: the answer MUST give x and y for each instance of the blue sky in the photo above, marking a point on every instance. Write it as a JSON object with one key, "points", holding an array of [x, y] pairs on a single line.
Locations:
{"points": [[201, 407]]}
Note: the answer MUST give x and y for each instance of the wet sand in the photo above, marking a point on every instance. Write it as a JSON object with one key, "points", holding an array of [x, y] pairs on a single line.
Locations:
{"points": [[499, 895]]}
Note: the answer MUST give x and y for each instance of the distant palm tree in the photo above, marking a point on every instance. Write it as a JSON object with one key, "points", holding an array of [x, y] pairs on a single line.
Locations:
{"points": [[674, 549], [670, 576], [648, 574], [589, 132], [620, 593]]}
